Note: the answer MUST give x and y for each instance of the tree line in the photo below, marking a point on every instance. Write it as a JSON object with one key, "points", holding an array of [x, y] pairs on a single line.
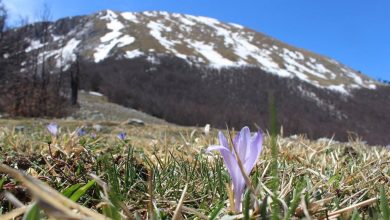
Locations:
{"points": [[193, 95]]}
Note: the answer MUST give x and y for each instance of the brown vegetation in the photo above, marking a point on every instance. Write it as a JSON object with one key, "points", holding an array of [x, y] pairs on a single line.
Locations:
{"points": [[190, 95], [29, 84]]}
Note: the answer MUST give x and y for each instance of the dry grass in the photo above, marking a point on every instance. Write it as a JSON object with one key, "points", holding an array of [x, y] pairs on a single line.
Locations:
{"points": [[167, 166]]}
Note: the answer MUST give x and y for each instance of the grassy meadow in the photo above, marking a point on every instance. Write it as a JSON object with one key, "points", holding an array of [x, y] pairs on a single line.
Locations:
{"points": [[164, 172]]}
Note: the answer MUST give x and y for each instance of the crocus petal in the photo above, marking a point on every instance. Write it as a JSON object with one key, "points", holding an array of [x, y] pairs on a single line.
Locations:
{"points": [[122, 136], [256, 146], [229, 160], [81, 132], [235, 141], [228, 157], [222, 140], [243, 143], [216, 147], [53, 128]]}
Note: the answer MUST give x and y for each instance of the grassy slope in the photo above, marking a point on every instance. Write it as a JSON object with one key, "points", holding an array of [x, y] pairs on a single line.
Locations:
{"points": [[91, 105], [332, 175]]}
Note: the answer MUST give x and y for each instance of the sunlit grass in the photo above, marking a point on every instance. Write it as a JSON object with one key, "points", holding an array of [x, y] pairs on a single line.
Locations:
{"points": [[145, 175]]}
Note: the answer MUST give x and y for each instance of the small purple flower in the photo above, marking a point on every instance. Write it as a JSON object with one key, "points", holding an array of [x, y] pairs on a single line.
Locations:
{"points": [[122, 136], [53, 128], [93, 135], [81, 132], [248, 149]]}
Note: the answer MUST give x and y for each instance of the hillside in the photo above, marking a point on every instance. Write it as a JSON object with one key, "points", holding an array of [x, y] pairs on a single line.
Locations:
{"points": [[193, 70], [200, 41], [95, 107]]}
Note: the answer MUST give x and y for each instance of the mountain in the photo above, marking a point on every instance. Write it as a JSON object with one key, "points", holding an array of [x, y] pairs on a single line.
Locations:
{"points": [[195, 70], [198, 40]]}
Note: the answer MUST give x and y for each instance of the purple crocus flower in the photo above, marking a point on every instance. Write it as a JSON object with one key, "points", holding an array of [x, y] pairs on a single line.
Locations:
{"points": [[81, 132], [53, 128], [122, 136], [248, 149]]}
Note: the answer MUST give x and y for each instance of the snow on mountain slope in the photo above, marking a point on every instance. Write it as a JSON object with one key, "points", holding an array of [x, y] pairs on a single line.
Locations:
{"points": [[198, 40]]}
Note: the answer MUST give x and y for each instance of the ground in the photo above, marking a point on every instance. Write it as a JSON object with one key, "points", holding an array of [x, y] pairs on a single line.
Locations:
{"points": [[162, 171], [95, 107]]}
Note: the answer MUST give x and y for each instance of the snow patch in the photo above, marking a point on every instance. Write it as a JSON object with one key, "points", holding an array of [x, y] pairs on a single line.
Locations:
{"points": [[372, 86], [293, 54], [164, 13], [290, 61], [338, 88], [95, 93], [103, 50], [115, 26], [110, 36], [186, 21], [56, 38], [237, 25], [68, 51], [356, 78], [153, 59], [133, 54], [113, 38], [130, 17], [321, 68], [34, 44], [219, 28], [156, 30], [215, 59], [150, 13], [125, 40], [205, 20]]}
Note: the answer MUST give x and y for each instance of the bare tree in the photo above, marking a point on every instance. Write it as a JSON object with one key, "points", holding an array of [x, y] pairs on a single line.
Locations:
{"points": [[74, 80], [30, 82], [44, 33], [3, 18], [41, 75]]}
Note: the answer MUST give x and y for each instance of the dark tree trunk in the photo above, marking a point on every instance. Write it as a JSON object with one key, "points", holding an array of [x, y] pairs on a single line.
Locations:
{"points": [[74, 82]]}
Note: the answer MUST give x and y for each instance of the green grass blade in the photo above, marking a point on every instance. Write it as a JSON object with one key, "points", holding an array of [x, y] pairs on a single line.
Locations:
{"points": [[274, 154], [355, 215], [2, 181], [295, 201], [263, 209], [82, 190], [70, 190], [129, 172], [384, 203], [214, 214], [32, 213], [246, 205]]}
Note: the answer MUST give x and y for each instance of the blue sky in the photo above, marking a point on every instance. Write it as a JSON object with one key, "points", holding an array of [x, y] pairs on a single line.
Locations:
{"points": [[355, 32]]}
